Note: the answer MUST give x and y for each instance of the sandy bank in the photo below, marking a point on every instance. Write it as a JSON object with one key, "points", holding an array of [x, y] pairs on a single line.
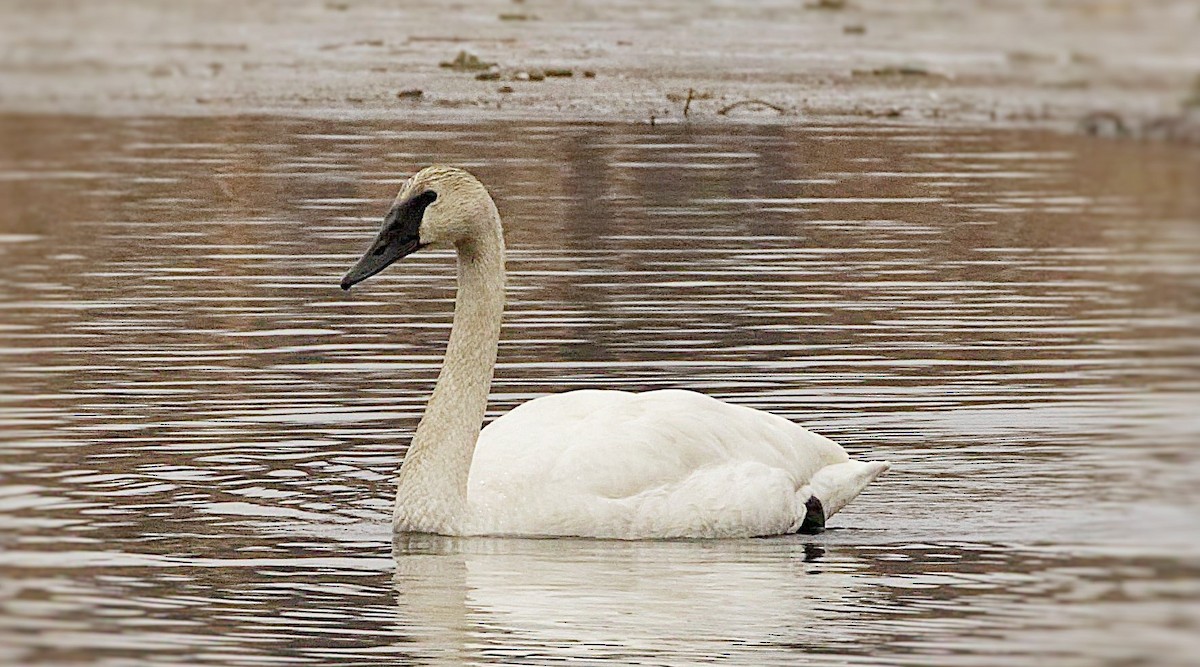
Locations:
{"points": [[976, 61]]}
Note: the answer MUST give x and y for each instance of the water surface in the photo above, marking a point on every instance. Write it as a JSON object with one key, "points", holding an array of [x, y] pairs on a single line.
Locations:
{"points": [[200, 430]]}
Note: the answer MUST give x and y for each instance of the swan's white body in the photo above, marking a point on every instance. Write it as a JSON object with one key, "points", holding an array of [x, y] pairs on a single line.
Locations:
{"points": [[666, 463], [588, 463]]}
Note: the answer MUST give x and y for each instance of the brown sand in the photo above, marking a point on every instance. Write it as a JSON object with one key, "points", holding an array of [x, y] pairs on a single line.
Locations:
{"points": [[975, 61]]}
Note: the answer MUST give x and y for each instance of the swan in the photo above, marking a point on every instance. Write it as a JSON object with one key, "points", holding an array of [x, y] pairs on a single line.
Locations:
{"points": [[588, 463]]}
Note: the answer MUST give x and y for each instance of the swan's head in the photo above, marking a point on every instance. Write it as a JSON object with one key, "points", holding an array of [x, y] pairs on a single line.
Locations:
{"points": [[438, 207]]}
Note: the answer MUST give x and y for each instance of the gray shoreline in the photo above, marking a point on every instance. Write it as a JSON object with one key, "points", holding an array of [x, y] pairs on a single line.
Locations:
{"points": [[977, 63]]}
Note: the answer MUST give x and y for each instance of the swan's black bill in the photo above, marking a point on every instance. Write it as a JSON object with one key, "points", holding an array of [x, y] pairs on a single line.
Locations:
{"points": [[381, 254], [399, 237]]}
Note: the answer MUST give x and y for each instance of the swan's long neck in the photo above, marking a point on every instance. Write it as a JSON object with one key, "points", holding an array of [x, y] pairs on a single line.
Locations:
{"points": [[432, 494]]}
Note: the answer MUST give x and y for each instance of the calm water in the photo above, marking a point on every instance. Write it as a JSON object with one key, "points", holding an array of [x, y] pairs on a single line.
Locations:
{"points": [[200, 430]]}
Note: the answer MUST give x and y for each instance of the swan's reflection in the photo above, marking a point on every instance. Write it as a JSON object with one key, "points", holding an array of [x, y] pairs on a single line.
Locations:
{"points": [[752, 601]]}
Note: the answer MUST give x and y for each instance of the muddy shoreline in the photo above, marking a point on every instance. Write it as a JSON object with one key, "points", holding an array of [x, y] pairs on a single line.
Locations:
{"points": [[1116, 65]]}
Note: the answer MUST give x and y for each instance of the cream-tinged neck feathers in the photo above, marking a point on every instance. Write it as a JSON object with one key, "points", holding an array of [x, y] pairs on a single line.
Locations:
{"points": [[432, 494]]}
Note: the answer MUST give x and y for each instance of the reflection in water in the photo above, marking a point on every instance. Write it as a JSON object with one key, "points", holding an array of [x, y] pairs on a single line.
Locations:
{"points": [[495, 599], [767, 601], [200, 430]]}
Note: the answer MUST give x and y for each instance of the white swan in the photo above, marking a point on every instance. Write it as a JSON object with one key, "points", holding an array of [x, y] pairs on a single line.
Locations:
{"points": [[590, 463]]}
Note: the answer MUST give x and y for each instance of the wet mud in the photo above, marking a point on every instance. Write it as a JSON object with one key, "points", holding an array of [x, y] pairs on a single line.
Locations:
{"points": [[1076, 65]]}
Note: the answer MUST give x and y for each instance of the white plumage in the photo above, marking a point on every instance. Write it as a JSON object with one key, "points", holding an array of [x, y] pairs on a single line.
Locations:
{"points": [[590, 463], [666, 463]]}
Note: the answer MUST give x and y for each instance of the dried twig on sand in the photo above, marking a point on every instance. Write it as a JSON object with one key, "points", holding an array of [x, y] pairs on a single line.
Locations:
{"points": [[742, 103]]}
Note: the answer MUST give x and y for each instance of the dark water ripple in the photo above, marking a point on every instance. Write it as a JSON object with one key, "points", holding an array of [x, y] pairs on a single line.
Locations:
{"points": [[199, 431]]}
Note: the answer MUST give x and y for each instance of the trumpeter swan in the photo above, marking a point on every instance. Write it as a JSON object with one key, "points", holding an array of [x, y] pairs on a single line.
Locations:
{"points": [[588, 463]]}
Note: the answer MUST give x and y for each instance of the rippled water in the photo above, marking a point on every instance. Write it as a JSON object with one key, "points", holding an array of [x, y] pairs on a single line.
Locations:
{"points": [[200, 430]]}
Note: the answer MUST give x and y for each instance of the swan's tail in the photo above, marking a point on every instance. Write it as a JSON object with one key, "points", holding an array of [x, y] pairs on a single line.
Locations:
{"points": [[833, 487]]}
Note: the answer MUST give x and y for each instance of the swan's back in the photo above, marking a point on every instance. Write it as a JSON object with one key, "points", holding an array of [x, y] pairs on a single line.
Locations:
{"points": [[655, 464]]}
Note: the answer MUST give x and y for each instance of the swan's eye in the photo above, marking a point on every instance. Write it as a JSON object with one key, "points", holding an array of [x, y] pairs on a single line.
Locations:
{"points": [[403, 223], [425, 199]]}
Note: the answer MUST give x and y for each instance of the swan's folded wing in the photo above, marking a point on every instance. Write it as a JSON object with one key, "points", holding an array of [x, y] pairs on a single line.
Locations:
{"points": [[615, 444]]}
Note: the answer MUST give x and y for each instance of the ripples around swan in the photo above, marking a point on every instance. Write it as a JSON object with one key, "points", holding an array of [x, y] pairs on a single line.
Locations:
{"points": [[200, 430]]}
